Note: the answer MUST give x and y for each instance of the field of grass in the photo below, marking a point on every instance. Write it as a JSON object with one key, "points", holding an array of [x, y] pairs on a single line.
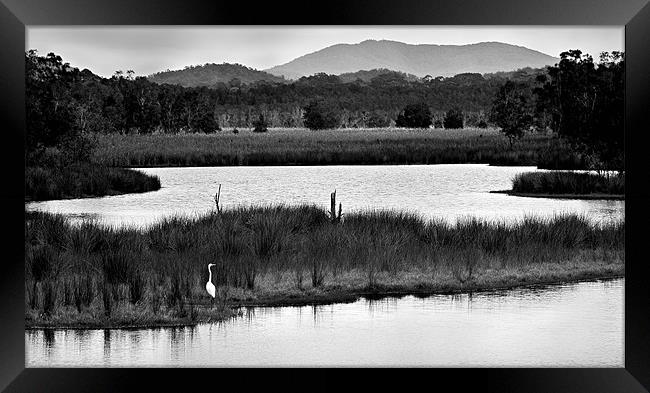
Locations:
{"points": [[569, 183], [88, 275], [84, 180], [334, 147]]}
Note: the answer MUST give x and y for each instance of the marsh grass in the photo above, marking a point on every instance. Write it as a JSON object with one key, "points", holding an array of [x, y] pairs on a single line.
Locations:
{"points": [[107, 298], [84, 180], [335, 147], [264, 251], [136, 287], [50, 295], [118, 265], [41, 261], [560, 182]]}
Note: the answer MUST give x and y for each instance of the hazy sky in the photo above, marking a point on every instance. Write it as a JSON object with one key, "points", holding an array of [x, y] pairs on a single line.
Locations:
{"points": [[148, 49]]}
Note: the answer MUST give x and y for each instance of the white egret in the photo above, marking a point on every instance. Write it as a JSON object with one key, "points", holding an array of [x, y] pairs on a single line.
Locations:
{"points": [[209, 286]]}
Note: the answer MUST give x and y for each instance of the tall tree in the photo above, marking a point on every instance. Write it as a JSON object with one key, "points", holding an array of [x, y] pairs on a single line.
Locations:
{"points": [[50, 107], [513, 110], [584, 103]]}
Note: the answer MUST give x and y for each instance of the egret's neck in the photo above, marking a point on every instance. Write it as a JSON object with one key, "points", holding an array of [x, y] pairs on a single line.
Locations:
{"points": [[210, 271]]}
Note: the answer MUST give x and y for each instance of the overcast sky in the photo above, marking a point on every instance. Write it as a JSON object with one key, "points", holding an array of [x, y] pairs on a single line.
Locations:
{"points": [[149, 49]]}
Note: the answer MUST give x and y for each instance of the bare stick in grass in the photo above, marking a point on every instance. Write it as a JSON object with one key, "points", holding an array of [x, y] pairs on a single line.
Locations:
{"points": [[217, 196], [333, 216]]}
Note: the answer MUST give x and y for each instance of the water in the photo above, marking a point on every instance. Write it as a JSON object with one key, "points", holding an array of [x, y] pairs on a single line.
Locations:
{"points": [[575, 325], [444, 191]]}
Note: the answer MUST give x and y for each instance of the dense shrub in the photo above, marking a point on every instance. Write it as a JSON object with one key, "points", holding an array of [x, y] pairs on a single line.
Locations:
{"points": [[260, 124], [377, 119], [414, 116], [204, 120], [320, 115], [453, 118]]}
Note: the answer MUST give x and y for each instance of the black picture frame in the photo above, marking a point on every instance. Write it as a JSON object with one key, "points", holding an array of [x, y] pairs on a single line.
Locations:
{"points": [[634, 14]]}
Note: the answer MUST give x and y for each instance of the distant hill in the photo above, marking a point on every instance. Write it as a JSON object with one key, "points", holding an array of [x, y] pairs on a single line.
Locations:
{"points": [[419, 60], [368, 75], [213, 74]]}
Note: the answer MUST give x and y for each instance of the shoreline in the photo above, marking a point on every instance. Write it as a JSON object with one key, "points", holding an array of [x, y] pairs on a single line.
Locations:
{"points": [[614, 197], [90, 196], [297, 164], [353, 296], [343, 297]]}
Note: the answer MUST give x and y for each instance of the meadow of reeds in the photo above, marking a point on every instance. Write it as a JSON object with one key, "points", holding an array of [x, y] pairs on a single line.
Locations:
{"points": [[83, 275], [335, 147], [573, 183], [84, 180]]}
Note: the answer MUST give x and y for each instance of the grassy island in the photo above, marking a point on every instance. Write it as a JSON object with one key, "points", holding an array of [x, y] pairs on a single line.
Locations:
{"points": [[81, 180], [89, 275], [560, 184]]}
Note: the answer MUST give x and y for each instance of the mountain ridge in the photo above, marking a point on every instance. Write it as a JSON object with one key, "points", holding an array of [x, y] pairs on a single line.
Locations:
{"points": [[416, 59], [365, 60]]}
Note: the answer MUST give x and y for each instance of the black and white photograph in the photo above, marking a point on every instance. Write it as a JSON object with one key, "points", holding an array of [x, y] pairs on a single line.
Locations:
{"points": [[326, 195]]}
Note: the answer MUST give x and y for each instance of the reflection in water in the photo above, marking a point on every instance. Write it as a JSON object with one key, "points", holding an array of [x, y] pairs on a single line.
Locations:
{"points": [[107, 343], [249, 314], [177, 344], [381, 306], [48, 338], [155, 337], [443, 191], [577, 325]]}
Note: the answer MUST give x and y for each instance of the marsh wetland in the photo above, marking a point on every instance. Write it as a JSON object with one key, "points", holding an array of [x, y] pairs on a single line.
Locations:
{"points": [[221, 215], [274, 244]]}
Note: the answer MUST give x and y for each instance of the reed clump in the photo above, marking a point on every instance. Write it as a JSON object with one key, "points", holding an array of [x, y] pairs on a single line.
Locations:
{"points": [[261, 253], [577, 183]]}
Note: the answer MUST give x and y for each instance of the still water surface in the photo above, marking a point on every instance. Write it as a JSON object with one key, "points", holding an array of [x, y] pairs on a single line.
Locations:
{"points": [[574, 325], [443, 191]]}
